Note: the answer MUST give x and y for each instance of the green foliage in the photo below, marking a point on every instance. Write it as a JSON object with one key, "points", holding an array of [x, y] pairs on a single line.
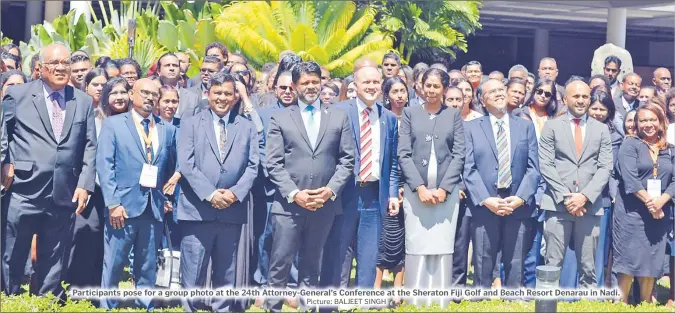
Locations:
{"points": [[4, 40], [332, 33]]}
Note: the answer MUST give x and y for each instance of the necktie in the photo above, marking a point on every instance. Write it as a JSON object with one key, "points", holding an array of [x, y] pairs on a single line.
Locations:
{"points": [[57, 115], [312, 132], [366, 147], [577, 136], [504, 179], [146, 127], [223, 139]]}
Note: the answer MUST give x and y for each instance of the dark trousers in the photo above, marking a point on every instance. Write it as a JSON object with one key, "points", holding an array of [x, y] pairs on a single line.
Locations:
{"points": [[331, 266], [144, 235], [203, 242], [460, 256], [492, 233], [362, 225], [54, 228], [301, 235], [263, 243], [534, 257], [85, 264]]}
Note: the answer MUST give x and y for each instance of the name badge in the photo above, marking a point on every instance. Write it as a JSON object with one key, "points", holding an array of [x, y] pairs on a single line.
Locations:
{"points": [[149, 176], [654, 187]]}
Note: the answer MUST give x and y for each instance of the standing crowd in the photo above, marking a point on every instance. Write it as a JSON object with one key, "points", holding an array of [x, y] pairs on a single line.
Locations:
{"points": [[282, 179]]}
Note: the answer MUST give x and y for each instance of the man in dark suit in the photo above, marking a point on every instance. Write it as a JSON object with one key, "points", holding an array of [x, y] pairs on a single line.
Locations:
{"points": [[210, 66], [135, 158], [501, 173], [168, 67], [310, 158], [218, 157], [263, 188], [214, 49], [373, 191], [51, 155], [627, 99]]}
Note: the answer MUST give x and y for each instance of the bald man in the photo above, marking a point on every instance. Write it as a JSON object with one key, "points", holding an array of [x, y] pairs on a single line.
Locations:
{"points": [[135, 159], [51, 147], [662, 80], [575, 175], [363, 62]]}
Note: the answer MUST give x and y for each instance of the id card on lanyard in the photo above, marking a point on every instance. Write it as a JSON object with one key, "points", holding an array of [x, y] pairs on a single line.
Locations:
{"points": [[654, 184], [149, 173]]}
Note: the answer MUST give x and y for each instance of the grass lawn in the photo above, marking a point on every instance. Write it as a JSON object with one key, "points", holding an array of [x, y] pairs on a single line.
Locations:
{"points": [[26, 303]]}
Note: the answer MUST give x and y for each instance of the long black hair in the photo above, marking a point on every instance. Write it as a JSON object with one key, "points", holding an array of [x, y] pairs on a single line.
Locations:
{"points": [[598, 94], [552, 106], [386, 88]]}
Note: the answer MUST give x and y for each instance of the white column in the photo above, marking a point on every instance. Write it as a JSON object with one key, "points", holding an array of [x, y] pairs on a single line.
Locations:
{"points": [[616, 27], [540, 47], [33, 16], [52, 10]]}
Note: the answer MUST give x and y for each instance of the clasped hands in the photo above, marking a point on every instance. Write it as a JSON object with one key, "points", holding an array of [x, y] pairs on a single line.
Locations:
{"points": [[655, 205], [433, 196], [575, 202], [223, 198], [503, 207], [312, 199]]}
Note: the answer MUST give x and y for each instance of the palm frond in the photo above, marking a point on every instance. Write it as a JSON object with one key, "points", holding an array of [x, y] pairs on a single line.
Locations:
{"points": [[336, 16], [283, 14], [356, 31]]}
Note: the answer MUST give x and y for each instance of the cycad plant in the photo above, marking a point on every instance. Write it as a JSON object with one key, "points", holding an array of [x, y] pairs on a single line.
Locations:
{"points": [[332, 33]]}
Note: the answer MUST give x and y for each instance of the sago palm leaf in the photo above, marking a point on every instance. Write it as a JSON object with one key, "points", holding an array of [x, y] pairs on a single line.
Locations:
{"points": [[239, 36], [362, 49], [317, 54], [335, 44], [283, 14], [335, 17], [305, 12], [356, 31], [303, 38], [146, 51]]}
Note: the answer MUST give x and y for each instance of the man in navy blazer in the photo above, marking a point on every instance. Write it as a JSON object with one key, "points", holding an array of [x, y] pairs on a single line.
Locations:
{"points": [[218, 157], [501, 173], [372, 191], [135, 158], [49, 164]]}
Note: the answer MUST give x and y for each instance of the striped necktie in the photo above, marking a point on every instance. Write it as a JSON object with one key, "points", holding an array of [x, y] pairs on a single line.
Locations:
{"points": [[365, 170], [504, 179]]}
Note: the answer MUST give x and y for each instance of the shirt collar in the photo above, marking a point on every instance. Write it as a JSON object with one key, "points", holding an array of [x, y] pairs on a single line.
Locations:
{"points": [[225, 118], [316, 104], [362, 106], [138, 118], [48, 91], [572, 117], [505, 119]]}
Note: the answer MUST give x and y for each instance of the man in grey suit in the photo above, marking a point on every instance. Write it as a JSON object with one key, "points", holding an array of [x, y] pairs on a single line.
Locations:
{"points": [[627, 99], [575, 158], [310, 157], [51, 154], [168, 67]]}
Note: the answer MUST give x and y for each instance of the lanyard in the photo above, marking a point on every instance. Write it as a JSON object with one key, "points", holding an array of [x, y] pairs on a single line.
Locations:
{"points": [[147, 139], [654, 154]]}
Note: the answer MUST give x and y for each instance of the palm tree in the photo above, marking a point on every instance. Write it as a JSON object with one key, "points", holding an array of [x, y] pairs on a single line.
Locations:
{"points": [[428, 26], [332, 33]]}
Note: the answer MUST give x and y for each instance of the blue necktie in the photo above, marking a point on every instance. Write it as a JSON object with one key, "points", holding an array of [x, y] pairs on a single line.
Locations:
{"points": [[312, 131], [146, 127]]}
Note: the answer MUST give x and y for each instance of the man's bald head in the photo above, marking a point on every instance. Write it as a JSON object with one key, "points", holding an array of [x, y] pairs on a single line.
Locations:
{"points": [[662, 79], [577, 97], [363, 62], [144, 97]]}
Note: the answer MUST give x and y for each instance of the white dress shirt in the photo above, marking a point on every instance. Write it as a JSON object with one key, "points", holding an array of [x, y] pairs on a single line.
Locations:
{"points": [[582, 124], [495, 130], [216, 129], [374, 117], [153, 131], [626, 105], [48, 100]]}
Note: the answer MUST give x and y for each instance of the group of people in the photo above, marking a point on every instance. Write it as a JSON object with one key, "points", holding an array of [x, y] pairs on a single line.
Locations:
{"points": [[283, 180]]}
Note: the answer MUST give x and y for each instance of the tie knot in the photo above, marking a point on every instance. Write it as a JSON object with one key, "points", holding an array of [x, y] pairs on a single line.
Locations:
{"points": [[577, 121], [221, 122], [145, 122], [310, 108], [367, 111], [55, 96]]}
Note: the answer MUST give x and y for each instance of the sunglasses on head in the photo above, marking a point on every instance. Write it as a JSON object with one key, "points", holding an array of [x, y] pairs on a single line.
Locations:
{"points": [[244, 72], [546, 94]]}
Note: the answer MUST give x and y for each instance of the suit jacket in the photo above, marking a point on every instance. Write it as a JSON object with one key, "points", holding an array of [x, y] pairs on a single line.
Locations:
{"points": [[447, 131], [203, 172], [293, 164], [265, 115], [482, 165], [120, 159], [621, 112], [561, 167], [189, 103], [194, 81], [388, 159], [45, 165]]}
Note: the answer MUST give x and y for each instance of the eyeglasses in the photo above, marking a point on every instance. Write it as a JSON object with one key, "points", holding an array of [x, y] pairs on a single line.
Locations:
{"points": [[285, 88], [148, 94], [546, 94], [54, 64]]}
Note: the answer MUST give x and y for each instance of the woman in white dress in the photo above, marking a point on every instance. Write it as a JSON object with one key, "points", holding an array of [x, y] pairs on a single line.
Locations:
{"points": [[431, 156]]}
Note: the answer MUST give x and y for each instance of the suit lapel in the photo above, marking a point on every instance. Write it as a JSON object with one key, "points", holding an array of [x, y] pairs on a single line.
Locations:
{"points": [[297, 118], [71, 106], [325, 119], [207, 124], [232, 131], [356, 129], [487, 129], [160, 129], [565, 120], [134, 133], [383, 133], [587, 137], [41, 107], [515, 134]]}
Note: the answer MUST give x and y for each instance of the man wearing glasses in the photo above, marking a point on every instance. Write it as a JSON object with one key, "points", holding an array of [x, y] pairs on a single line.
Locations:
{"points": [[48, 171], [210, 66]]}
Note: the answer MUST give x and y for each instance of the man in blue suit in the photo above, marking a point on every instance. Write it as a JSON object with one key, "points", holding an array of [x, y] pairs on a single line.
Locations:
{"points": [[135, 158], [263, 188], [218, 157], [48, 171], [501, 173], [373, 190]]}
